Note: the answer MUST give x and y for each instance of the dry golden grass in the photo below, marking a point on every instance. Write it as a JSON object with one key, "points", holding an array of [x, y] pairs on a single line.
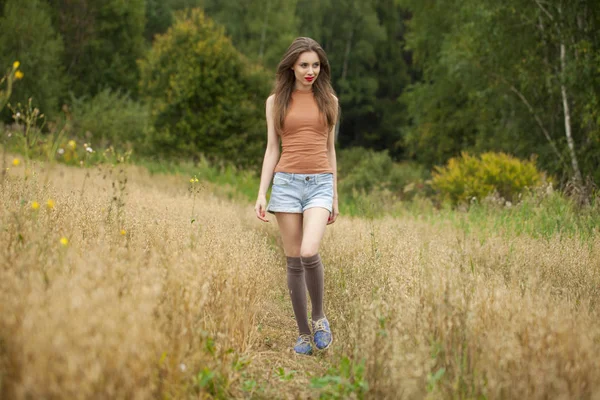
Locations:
{"points": [[144, 303]]}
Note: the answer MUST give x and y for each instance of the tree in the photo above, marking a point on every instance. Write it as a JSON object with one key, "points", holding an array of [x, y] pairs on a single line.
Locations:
{"points": [[28, 36], [484, 89], [349, 31], [104, 40], [159, 17], [262, 30], [205, 98]]}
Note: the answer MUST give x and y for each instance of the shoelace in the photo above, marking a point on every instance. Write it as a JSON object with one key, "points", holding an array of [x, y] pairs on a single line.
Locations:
{"points": [[303, 339], [320, 325]]}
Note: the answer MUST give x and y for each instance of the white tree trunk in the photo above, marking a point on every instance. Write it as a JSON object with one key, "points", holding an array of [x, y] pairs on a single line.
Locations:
{"points": [[565, 99], [263, 34]]}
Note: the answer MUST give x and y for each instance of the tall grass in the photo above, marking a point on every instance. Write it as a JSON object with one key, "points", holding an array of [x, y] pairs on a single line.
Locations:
{"points": [[171, 291], [159, 302]]}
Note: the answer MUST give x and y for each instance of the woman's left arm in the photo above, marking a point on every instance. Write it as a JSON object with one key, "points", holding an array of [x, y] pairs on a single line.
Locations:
{"points": [[333, 162]]}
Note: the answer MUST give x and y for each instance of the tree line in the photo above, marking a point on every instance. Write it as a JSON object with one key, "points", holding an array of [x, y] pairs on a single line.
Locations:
{"points": [[422, 80]]}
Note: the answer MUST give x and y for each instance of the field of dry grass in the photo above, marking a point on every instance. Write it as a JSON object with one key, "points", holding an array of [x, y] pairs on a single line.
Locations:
{"points": [[130, 286]]}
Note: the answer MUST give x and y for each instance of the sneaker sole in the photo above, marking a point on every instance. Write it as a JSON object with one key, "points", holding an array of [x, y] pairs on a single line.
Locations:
{"points": [[303, 354], [326, 347]]}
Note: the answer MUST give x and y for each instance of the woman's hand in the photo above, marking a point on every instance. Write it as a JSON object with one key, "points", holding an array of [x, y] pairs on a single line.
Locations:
{"points": [[261, 207], [334, 213]]}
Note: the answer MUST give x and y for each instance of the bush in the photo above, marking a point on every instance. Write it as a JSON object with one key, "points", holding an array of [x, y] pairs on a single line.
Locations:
{"points": [[203, 95], [110, 118], [365, 170], [468, 177]]}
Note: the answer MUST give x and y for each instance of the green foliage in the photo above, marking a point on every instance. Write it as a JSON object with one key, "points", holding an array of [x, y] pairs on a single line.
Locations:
{"points": [[104, 40], [368, 68], [212, 382], [262, 30], [481, 88], [28, 135], [27, 36], [365, 170], [159, 17], [110, 118], [363, 40], [434, 379], [6, 83], [228, 181], [468, 177], [345, 381], [205, 98], [544, 214]]}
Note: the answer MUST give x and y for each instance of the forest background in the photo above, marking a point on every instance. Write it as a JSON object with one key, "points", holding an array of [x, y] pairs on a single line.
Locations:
{"points": [[419, 82]]}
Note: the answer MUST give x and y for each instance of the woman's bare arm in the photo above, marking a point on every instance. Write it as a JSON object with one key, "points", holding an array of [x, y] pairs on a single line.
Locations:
{"points": [[269, 162], [272, 151]]}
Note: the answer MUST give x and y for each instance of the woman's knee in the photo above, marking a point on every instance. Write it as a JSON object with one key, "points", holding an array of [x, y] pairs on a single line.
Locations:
{"points": [[308, 251]]}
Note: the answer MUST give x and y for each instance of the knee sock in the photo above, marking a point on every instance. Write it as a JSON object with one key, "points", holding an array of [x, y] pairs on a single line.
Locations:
{"points": [[297, 289], [313, 275]]}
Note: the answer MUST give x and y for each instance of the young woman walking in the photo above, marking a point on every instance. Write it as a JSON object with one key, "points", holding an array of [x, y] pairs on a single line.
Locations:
{"points": [[302, 112]]}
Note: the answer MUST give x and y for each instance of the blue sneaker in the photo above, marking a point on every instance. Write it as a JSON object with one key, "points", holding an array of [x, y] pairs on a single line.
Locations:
{"points": [[322, 334], [303, 345]]}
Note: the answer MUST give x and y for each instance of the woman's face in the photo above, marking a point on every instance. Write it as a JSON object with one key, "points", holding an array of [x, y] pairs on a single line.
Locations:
{"points": [[306, 69]]}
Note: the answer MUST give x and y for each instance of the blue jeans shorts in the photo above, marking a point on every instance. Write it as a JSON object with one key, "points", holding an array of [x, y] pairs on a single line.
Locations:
{"points": [[295, 193]]}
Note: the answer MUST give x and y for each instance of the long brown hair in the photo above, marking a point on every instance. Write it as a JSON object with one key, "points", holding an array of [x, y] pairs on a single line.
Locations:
{"points": [[286, 80]]}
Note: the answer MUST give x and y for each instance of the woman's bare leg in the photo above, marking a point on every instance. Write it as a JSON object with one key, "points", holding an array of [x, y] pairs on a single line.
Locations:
{"points": [[290, 227]]}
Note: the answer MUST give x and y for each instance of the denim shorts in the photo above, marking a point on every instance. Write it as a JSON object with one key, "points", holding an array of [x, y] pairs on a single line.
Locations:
{"points": [[295, 193]]}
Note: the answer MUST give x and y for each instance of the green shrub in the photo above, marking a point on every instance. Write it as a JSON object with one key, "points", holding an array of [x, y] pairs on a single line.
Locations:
{"points": [[363, 170], [409, 179], [468, 177], [110, 118], [204, 97]]}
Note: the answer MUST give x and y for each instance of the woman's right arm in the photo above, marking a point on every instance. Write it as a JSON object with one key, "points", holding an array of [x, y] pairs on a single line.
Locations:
{"points": [[269, 162]]}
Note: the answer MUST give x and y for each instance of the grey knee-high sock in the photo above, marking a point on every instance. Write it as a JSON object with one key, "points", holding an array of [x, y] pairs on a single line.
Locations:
{"points": [[313, 275], [297, 289]]}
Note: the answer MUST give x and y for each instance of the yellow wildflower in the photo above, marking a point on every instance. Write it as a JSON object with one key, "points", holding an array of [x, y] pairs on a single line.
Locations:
{"points": [[35, 205], [16, 64], [72, 144], [191, 180], [19, 75], [64, 241], [123, 232], [50, 204], [16, 162]]}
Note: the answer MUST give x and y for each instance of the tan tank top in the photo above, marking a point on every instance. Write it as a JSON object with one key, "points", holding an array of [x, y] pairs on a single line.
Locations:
{"points": [[304, 137]]}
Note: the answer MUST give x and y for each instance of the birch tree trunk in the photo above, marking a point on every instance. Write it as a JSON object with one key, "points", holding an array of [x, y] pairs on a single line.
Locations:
{"points": [[565, 99], [263, 34]]}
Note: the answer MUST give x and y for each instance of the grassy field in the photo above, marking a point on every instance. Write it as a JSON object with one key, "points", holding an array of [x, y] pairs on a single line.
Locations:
{"points": [[115, 283]]}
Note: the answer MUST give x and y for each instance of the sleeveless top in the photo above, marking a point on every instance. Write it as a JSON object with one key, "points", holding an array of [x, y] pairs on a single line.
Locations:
{"points": [[304, 137]]}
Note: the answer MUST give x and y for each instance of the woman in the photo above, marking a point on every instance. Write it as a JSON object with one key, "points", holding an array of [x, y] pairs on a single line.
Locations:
{"points": [[302, 112]]}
